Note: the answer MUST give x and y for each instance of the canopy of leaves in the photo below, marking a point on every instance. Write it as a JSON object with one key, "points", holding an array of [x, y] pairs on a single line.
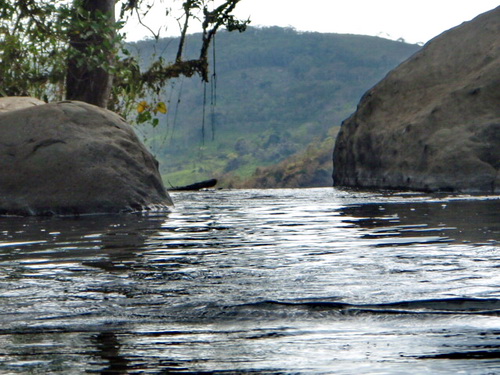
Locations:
{"points": [[42, 40], [33, 48]]}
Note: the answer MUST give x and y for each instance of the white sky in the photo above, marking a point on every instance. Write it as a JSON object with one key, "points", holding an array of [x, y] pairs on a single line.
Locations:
{"points": [[414, 21]]}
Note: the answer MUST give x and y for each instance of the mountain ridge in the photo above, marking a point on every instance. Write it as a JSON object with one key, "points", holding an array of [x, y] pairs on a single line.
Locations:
{"points": [[275, 91]]}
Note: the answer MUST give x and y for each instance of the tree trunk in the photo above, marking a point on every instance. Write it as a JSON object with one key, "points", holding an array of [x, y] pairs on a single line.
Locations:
{"points": [[84, 81]]}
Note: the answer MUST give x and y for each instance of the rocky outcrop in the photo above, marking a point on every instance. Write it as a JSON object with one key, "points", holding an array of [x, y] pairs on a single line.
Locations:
{"points": [[73, 158], [433, 123]]}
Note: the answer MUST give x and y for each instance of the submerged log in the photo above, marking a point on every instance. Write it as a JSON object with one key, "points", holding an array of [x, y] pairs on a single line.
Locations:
{"points": [[196, 186]]}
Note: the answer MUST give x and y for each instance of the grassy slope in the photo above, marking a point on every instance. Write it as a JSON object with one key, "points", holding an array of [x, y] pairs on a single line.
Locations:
{"points": [[279, 93]]}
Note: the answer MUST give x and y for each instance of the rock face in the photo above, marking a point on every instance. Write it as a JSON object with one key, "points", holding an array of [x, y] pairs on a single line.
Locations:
{"points": [[72, 158], [433, 123]]}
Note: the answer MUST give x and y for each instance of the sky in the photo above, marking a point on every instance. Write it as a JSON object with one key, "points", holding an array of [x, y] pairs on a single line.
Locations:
{"points": [[414, 21]]}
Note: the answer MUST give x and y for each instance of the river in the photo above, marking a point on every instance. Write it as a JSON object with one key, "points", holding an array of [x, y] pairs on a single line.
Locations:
{"points": [[285, 281]]}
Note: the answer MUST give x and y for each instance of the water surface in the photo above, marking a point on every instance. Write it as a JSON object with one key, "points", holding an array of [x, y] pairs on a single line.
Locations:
{"points": [[309, 281]]}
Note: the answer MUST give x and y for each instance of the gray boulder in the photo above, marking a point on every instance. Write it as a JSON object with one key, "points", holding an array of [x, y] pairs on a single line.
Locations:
{"points": [[433, 123], [73, 158]]}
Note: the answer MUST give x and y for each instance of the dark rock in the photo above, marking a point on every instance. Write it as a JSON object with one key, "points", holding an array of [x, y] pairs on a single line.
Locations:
{"points": [[73, 158], [433, 123]]}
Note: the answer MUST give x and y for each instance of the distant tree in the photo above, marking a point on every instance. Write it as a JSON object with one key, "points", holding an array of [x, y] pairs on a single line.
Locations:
{"points": [[74, 50]]}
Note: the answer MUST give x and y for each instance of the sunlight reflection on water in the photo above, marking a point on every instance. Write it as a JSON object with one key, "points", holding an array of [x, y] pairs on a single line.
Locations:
{"points": [[264, 281]]}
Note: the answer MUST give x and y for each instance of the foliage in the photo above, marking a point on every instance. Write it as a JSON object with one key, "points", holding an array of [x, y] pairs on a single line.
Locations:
{"points": [[45, 42], [311, 167], [33, 49]]}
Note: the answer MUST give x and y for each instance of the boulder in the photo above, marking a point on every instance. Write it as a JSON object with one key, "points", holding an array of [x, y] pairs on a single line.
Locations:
{"points": [[433, 123], [73, 158], [11, 103]]}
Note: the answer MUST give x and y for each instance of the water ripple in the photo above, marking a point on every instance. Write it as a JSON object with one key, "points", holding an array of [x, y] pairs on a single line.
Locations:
{"points": [[274, 281]]}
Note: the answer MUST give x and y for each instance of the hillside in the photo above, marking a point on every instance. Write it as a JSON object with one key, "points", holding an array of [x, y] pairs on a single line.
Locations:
{"points": [[277, 93]]}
